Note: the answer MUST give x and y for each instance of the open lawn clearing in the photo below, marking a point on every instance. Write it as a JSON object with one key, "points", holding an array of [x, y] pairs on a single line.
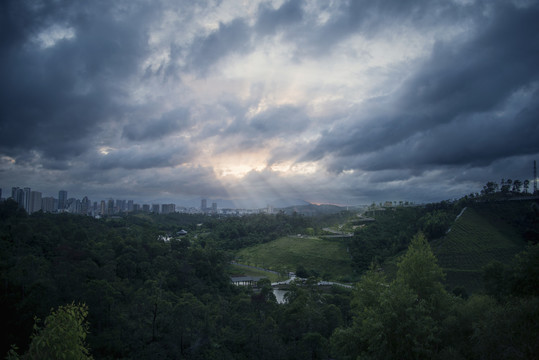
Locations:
{"points": [[328, 258]]}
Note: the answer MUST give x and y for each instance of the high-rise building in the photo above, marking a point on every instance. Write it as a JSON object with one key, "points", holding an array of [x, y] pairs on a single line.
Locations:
{"points": [[72, 206], [214, 207], [85, 205], [204, 205], [27, 199], [47, 204], [62, 200], [110, 207], [130, 205], [168, 208], [18, 195], [155, 208], [146, 208], [35, 202], [121, 206], [103, 208]]}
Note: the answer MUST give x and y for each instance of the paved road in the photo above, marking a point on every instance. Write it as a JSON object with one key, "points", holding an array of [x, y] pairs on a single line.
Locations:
{"points": [[337, 233]]}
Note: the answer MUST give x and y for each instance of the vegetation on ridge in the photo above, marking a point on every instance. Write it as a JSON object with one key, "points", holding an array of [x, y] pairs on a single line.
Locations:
{"points": [[148, 295]]}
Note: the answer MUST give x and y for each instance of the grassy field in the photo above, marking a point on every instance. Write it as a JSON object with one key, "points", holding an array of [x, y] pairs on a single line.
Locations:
{"points": [[240, 270], [475, 239], [329, 258]]}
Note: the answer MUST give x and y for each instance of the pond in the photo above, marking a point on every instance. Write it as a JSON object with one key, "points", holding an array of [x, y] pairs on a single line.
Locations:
{"points": [[279, 294]]}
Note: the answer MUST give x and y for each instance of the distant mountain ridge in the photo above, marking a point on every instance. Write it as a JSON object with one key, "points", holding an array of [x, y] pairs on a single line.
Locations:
{"points": [[313, 209]]}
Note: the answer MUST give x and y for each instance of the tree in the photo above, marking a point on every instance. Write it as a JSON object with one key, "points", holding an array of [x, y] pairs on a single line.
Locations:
{"points": [[435, 223], [526, 185], [419, 269], [517, 184], [390, 322], [525, 277], [508, 331], [400, 319], [62, 337], [489, 188], [495, 279]]}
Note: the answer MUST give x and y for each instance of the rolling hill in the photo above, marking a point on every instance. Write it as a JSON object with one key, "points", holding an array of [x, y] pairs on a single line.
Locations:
{"points": [[483, 233]]}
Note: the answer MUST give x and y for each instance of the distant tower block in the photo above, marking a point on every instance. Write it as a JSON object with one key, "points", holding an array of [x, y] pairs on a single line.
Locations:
{"points": [[534, 177], [204, 205]]}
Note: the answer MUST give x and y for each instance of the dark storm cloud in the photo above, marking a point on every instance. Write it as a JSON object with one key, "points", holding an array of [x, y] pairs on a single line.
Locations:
{"points": [[87, 87], [369, 18], [54, 95], [247, 133], [270, 20], [279, 121], [432, 119], [136, 158], [168, 124], [233, 37]]}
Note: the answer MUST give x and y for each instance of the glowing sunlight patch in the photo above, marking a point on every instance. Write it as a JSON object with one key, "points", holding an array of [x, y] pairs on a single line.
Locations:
{"points": [[238, 165], [105, 150], [291, 168], [7, 159], [54, 34]]}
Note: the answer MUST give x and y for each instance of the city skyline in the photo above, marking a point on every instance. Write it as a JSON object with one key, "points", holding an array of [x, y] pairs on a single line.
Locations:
{"points": [[252, 103], [198, 203], [33, 200]]}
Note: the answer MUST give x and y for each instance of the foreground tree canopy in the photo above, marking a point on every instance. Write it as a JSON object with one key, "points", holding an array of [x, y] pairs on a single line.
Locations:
{"points": [[62, 337]]}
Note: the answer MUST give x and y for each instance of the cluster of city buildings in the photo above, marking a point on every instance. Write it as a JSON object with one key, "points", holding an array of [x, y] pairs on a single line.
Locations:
{"points": [[33, 201]]}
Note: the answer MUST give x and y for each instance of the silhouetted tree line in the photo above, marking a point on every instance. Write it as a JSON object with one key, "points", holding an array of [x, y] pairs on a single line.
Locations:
{"points": [[506, 187]]}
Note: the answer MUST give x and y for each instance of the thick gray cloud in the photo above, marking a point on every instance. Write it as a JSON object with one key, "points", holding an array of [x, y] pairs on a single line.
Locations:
{"points": [[270, 20], [169, 123], [233, 37], [448, 111], [137, 158], [61, 66], [346, 102], [280, 121]]}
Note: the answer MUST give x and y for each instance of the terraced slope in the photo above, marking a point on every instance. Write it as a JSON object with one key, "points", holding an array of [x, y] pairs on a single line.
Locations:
{"points": [[476, 239]]}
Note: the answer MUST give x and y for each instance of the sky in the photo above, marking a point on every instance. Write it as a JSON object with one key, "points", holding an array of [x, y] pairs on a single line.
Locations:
{"points": [[255, 102]]}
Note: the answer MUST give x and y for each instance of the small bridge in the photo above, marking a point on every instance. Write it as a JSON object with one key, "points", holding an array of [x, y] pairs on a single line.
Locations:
{"points": [[244, 280], [285, 285]]}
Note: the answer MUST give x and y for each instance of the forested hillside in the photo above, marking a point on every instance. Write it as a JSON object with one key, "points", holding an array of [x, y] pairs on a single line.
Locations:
{"points": [[147, 298], [114, 289], [393, 228]]}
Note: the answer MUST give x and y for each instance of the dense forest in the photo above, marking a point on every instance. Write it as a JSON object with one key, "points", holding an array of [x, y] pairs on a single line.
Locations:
{"points": [[114, 289], [390, 234]]}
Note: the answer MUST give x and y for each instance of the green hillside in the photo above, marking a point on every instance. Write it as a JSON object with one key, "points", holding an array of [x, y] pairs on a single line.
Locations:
{"points": [[328, 258], [484, 233]]}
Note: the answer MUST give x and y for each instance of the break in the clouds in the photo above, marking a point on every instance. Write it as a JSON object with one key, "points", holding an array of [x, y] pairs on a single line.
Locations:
{"points": [[327, 101]]}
